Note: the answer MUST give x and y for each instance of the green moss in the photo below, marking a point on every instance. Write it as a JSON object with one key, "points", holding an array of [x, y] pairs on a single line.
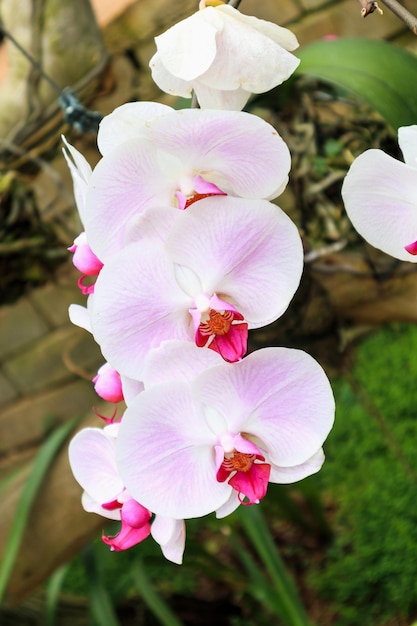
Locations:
{"points": [[370, 571]]}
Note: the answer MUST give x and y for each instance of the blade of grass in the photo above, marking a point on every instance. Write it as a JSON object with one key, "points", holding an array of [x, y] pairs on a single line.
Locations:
{"points": [[260, 587], [153, 600], [101, 606], [42, 463], [53, 590], [258, 532]]}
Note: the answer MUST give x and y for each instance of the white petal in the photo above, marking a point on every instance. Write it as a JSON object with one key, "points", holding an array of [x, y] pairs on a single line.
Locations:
{"points": [[177, 360], [80, 316], [168, 82], [380, 196], [92, 460], [188, 48], [407, 140], [170, 534], [126, 122]]}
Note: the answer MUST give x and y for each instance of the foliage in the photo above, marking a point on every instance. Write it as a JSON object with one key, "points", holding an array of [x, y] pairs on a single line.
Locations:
{"points": [[362, 66], [369, 572]]}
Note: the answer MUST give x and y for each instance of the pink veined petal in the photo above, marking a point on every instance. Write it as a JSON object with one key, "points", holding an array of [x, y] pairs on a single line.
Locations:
{"points": [[248, 252], [279, 397], [177, 360], [137, 305], [407, 140], [188, 48], [240, 153], [286, 475], [165, 453], [129, 178], [380, 196], [126, 122], [253, 484], [170, 534], [92, 460]]}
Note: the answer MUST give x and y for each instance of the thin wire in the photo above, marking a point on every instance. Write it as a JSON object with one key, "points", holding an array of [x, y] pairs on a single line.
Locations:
{"points": [[31, 60]]}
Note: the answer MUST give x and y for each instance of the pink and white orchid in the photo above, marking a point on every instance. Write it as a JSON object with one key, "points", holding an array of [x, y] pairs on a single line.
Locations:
{"points": [[92, 460], [187, 449], [228, 265], [174, 159], [380, 196], [223, 55]]}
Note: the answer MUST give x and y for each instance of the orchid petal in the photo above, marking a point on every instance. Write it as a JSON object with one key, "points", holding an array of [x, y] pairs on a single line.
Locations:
{"points": [[131, 388], [81, 173], [177, 360], [407, 140], [286, 475], [279, 396], [165, 454], [126, 122], [251, 253], [137, 305], [91, 506], [92, 461], [266, 63], [124, 183], [380, 196], [170, 534], [166, 81], [80, 316], [240, 153], [188, 48], [223, 100]]}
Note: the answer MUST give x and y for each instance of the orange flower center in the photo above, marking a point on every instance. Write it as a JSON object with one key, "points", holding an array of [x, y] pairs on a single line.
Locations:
{"points": [[219, 323], [239, 461]]}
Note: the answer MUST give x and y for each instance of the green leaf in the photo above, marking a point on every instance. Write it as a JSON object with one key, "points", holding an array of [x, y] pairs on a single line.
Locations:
{"points": [[151, 597], [43, 461], [380, 73], [101, 606], [53, 590], [254, 525]]}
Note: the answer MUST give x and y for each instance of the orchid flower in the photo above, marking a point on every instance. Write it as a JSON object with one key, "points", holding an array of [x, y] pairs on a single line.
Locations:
{"points": [[224, 56], [174, 159], [92, 460], [185, 449], [228, 265], [380, 196]]}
